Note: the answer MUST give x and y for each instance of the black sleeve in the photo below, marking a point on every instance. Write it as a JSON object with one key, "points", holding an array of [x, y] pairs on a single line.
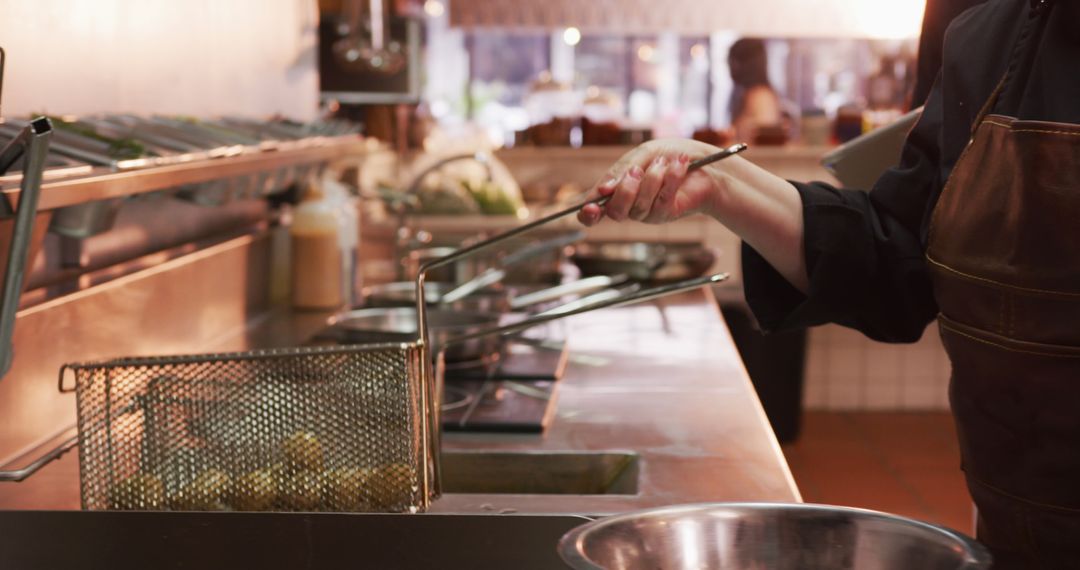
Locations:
{"points": [[864, 251], [936, 19]]}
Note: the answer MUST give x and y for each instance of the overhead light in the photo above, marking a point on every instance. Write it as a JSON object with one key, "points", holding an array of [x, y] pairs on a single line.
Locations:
{"points": [[434, 8], [897, 19], [572, 36], [698, 51], [645, 52]]}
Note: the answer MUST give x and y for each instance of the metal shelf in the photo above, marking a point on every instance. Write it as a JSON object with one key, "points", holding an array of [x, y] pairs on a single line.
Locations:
{"points": [[103, 184]]}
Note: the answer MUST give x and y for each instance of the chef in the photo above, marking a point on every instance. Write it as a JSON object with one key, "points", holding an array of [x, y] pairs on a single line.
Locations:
{"points": [[978, 226]]}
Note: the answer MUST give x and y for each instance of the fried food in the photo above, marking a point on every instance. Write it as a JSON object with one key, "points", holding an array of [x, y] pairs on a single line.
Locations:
{"points": [[304, 491], [206, 493], [392, 486], [256, 491], [346, 489], [303, 451], [140, 492]]}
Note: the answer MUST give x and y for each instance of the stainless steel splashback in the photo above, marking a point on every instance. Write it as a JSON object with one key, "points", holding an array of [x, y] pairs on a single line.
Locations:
{"points": [[183, 305]]}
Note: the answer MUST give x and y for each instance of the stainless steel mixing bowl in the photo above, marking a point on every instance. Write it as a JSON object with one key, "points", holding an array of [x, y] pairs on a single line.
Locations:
{"points": [[767, 536]]}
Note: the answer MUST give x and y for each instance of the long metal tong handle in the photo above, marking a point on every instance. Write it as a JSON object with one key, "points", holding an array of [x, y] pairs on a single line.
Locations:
{"points": [[707, 160], [33, 143], [490, 242], [3, 57], [495, 274], [562, 312], [421, 303]]}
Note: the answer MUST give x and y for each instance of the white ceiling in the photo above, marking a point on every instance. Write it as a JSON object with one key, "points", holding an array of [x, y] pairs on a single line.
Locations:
{"points": [[770, 18]]}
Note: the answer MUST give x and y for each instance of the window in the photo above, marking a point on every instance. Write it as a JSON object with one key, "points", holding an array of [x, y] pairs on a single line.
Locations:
{"points": [[674, 85]]}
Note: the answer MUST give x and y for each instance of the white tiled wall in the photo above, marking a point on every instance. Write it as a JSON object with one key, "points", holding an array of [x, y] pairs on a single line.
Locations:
{"points": [[844, 369], [847, 371]]}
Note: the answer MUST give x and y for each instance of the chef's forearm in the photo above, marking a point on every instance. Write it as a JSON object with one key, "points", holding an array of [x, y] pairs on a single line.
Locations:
{"points": [[765, 211]]}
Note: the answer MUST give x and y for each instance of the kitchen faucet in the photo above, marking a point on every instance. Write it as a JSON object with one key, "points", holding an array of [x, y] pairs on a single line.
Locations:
{"points": [[406, 238]]}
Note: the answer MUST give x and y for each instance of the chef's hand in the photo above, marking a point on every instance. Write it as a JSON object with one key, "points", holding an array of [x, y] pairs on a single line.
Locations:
{"points": [[651, 184]]}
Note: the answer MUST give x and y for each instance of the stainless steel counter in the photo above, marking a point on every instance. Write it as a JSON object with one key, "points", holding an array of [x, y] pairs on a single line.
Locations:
{"points": [[680, 400]]}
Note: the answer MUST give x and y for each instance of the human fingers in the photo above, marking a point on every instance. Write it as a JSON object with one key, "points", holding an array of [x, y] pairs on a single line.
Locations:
{"points": [[662, 208], [592, 214], [623, 197], [650, 186]]}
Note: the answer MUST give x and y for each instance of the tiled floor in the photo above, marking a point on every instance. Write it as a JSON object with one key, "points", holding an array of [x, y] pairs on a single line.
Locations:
{"points": [[902, 463]]}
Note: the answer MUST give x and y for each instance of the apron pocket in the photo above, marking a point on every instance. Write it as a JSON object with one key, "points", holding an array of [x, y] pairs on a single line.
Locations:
{"points": [[1017, 408], [1023, 536]]}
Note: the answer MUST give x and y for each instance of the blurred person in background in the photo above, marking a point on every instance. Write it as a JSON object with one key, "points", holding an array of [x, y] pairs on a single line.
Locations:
{"points": [[755, 106]]}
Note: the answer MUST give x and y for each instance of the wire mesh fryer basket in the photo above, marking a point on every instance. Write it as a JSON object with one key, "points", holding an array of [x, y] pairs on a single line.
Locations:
{"points": [[347, 429]]}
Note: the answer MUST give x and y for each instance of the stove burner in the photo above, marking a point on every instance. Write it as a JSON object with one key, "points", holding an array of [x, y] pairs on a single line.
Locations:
{"points": [[455, 398], [520, 360], [524, 406], [512, 390], [485, 361]]}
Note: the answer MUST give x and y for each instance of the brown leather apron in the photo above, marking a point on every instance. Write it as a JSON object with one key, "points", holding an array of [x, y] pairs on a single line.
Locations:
{"points": [[1004, 251]]}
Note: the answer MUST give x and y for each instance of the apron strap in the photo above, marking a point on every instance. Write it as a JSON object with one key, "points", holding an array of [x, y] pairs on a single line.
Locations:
{"points": [[1021, 56]]}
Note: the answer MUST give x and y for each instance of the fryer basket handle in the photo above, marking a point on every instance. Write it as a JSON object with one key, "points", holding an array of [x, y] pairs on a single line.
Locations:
{"points": [[22, 473]]}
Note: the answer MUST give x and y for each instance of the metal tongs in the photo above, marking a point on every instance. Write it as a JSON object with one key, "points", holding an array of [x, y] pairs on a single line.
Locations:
{"points": [[586, 305], [31, 144]]}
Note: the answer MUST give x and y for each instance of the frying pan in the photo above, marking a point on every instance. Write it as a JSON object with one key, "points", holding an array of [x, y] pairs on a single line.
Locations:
{"points": [[398, 324], [638, 260], [651, 262]]}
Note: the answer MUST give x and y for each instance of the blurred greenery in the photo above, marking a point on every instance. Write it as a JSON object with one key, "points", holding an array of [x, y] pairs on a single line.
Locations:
{"points": [[120, 149]]}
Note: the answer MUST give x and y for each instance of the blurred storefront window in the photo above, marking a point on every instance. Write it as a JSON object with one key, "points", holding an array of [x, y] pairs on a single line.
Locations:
{"points": [[668, 84]]}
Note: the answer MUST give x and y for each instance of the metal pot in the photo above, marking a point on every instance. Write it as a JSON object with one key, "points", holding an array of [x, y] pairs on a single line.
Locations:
{"points": [[398, 324], [745, 536], [490, 300], [458, 272], [544, 266], [403, 294], [475, 293], [540, 270]]}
